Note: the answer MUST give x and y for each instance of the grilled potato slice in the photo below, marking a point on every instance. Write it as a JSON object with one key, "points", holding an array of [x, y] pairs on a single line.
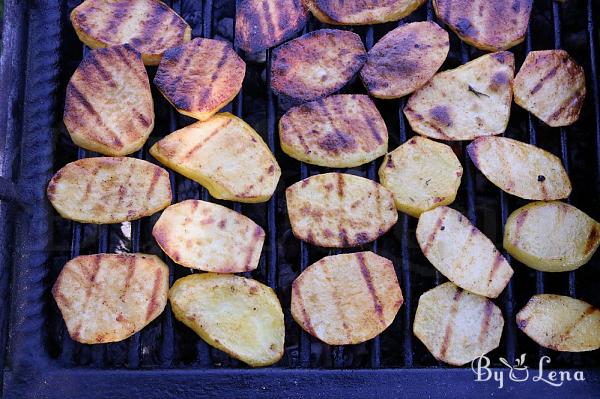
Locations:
{"points": [[239, 316], [422, 174], [316, 64], [470, 101], [108, 297], [486, 24], [200, 77], [346, 299], [462, 253], [225, 155], [520, 169], [365, 12], [340, 131], [405, 59], [551, 236], [561, 323], [260, 24], [108, 105], [109, 190], [338, 210], [551, 85], [150, 26], [457, 326], [209, 237]]}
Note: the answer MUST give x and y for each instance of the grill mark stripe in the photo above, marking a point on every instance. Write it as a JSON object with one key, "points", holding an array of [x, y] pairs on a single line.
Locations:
{"points": [[433, 234], [485, 325], [94, 62], [588, 311], [373, 130], [155, 177], [305, 317], [206, 93], [366, 274], [495, 266], [449, 326], [335, 294], [566, 104], [153, 303], [88, 186], [197, 147], [542, 81], [268, 18]]}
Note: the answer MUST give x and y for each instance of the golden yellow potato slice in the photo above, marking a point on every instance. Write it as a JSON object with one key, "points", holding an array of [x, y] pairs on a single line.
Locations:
{"points": [[338, 210], [486, 24], [364, 12], [150, 26], [470, 101], [462, 253], [346, 299], [109, 297], [561, 323], [239, 316], [225, 155], [405, 59], [551, 236], [422, 174], [520, 169], [108, 104], [200, 77], [316, 64], [260, 24], [551, 85], [457, 326], [340, 131], [109, 190], [209, 237]]}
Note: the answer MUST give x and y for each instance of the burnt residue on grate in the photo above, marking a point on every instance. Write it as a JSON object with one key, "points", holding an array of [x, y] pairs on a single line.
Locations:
{"points": [[166, 343]]}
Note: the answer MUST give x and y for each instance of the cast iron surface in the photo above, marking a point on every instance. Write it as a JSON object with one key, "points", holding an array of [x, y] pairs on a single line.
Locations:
{"points": [[41, 51]]}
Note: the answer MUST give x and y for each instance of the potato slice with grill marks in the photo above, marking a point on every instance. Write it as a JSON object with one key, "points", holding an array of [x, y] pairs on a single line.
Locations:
{"points": [[551, 85], [462, 253], [108, 104], [486, 24], [225, 155], [457, 326], [200, 77], [520, 169], [405, 59], [364, 12], [561, 323], [316, 64], [340, 131], [470, 101], [239, 316], [338, 210], [108, 297], [422, 174], [261, 24], [551, 236], [109, 190], [150, 26], [346, 299], [209, 237]]}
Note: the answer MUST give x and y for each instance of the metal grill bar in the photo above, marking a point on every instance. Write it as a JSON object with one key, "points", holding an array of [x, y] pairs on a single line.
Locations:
{"points": [[591, 29]]}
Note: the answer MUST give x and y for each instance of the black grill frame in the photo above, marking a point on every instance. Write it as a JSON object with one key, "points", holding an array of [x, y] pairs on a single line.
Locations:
{"points": [[31, 82]]}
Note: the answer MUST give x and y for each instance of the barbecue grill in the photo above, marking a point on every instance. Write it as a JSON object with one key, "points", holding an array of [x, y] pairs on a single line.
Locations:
{"points": [[41, 51]]}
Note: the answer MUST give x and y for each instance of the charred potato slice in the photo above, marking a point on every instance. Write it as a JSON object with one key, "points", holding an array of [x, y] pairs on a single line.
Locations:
{"points": [[457, 326], [366, 12], [346, 299], [462, 253], [316, 64], [338, 210], [108, 298], [551, 85], [551, 236], [561, 323], [422, 174], [108, 105], [470, 101], [239, 316], [405, 59], [486, 24], [225, 155], [261, 24], [150, 26], [200, 77], [520, 169], [209, 237], [109, 190], [339, 131]]}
